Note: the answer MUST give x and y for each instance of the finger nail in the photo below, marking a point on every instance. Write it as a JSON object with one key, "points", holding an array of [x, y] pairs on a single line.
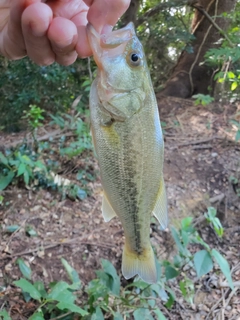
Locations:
{"points": [[107, 28]]}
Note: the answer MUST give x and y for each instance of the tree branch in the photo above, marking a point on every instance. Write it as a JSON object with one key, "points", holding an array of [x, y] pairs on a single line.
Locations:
{"points": [[160, 7], [204, 12]]}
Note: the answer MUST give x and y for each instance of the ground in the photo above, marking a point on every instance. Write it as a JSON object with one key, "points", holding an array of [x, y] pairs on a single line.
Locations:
{"points": [[201, 159]]}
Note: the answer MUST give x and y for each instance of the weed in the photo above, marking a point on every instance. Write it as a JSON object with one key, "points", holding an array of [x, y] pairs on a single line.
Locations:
{"points": [[104, 297]]}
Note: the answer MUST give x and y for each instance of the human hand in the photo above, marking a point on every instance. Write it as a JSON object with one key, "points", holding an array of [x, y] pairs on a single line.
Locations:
{"points": [[54, 30]]}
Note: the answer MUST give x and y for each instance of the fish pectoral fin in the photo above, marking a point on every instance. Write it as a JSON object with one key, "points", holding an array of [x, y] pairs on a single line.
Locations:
{"points": [[107, 210], [143, 264], [94, 143], [160, 209]]}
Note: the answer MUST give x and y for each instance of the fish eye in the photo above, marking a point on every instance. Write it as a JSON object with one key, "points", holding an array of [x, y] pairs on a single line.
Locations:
{"points": [[134, 59]]}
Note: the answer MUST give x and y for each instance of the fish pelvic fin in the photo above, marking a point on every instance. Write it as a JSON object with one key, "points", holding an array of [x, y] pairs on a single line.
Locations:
{"points": [[160, 210], [107, 210], [143, 264]]}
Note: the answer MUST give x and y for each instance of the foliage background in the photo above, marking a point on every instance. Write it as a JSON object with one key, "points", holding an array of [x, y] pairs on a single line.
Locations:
{"points": [[164, 35]]}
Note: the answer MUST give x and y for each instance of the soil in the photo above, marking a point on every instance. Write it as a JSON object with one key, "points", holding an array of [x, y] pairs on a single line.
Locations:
{"points": [[201, 157]]}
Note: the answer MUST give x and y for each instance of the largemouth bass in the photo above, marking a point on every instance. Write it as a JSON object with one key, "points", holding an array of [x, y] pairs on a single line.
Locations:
{"points": [[128, 142]]}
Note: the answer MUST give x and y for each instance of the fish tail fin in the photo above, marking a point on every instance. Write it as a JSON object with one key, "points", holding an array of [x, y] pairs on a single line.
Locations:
{"points": [[143, 264]]}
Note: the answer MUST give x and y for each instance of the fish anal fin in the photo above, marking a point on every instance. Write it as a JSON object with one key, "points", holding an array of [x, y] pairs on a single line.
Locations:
{"points": [[160, 209], [107, 210], [93, 142], [143, 264]]}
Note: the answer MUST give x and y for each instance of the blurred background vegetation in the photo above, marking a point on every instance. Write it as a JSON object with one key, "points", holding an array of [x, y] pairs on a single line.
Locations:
{"points": [[164, 28]]}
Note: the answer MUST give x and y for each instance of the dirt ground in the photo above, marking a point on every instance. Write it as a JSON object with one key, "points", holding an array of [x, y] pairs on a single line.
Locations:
{"points": [[201, 156]]}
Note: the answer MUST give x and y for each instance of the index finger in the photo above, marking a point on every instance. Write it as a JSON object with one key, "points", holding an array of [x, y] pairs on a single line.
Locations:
{"points": [[11, 38]]}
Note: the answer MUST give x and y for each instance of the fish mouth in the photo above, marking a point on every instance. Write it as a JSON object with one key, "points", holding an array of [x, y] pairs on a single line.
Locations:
{"points": [[109, 45]]}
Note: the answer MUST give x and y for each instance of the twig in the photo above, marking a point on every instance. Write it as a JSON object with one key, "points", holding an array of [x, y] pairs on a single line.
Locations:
{"points": [[68, 241], [206, 146], [15, 232], [226, 284], [197, 142], [45, 137], [230, 296], [62, 316], [17, 254], [217, 198], [216, 304], [204, 12], [199, 220], [223, 303], [197, 25], [4, 302]]}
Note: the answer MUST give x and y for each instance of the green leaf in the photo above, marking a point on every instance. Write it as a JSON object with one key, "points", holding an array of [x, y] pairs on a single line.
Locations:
{"points": [[187, 289], [40, 288], [61, 293], [30, 231], [185, 237], [71, 307], [224, 266], [212, 212], [37, 316], [202, 262], [152, 303], [117, 316], [177, 240], [40, 165], [170, 272], [182, 285], [3, 159], [235, 122], [26, 286], [26, 271], [237, 137], [6, 180], [21, 169], [186, 222], [4, 315], [234, 85], [26, 177], [141, 314], [159, 314], [73, 275], [114, 282], [12, 228], [98, 315], [171, 299], [231, 75], [160, 292]]}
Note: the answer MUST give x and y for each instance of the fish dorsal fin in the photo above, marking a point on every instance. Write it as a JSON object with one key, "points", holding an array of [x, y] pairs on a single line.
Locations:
{"points": [[160, 209], [107, 210]]}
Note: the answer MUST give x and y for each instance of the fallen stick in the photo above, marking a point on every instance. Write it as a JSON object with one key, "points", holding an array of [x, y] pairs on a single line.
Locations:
{"points": [[46, 247]]}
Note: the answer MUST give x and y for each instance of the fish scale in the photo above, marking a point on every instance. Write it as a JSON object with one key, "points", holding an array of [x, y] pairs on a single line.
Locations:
{"points": [[129, 145]]}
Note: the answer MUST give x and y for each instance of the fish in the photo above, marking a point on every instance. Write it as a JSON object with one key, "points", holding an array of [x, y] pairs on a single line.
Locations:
{"points": [[128, 144]]}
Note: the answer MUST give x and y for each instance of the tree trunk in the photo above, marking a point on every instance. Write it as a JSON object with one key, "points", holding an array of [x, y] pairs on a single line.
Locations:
{"points": [[131, 13], [190, 76]]}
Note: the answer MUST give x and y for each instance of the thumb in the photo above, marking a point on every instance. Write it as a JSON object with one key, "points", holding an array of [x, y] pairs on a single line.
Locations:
{"points": [[105, 12]]}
